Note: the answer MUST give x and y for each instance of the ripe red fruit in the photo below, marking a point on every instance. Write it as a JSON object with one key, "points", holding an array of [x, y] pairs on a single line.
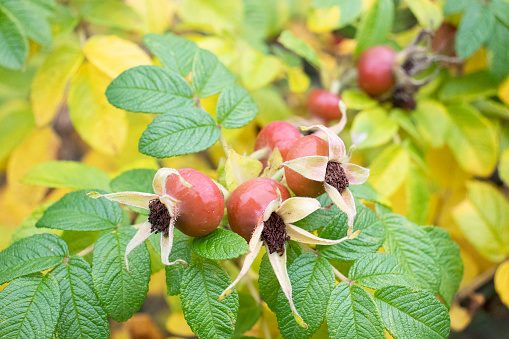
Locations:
{"points": [[374, 68], [247, 203], [306, 146], [201, 207], [278, 134], [324, 104]]}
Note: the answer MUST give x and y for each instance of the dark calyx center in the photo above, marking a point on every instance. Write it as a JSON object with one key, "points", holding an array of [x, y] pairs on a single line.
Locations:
{"points": [[158, 217], [335, 176], [274, 234]]}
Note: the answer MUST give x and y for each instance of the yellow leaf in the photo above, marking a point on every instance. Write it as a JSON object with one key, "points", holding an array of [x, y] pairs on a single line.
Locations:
{"points": [[484, 219], [240, 169], [176, 324], [460, 318], [157, 15], [502, 282], [321, 20], [476, 62], [389, 170], [503, 91], [216, 15], [503, 167], [427, 12], [445, 169], [101, 125], [194, 161], [273, 164], [223, 47], [50, 81], [113, 55], [298, 81], [241, 139], [16, 121], [256, 68], [39, 146]]}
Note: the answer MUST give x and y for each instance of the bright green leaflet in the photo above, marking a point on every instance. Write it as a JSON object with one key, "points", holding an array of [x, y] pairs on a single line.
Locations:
{"points": [[75, 211], [82, 315], [121, 292], [13, 44], [375, 25], [135, 180], [180, 132], [30, 307], [29, 255], [149, 89], [34, 24], [220, 245], [475, 28], [235, 108], [352, 313], [210, 76], [312, 282], [202, 284]]}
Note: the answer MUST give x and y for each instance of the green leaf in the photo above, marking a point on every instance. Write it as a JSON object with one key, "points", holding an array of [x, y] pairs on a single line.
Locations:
{"points": [[451, 265], [492, 108], [29, 255], [372, 128], [75, 211], [121, 292], [13, 44], [500, 8], [320, 217], [369, 241], [77, 241], [417, 195], [81, 313], [68, 174], [299, 47], [249, 312], [498, 49], [312, 282], [135, 180], [16, 122], [235, 107], [349, 11], [413, 248], [202, 284], [210, 76], [472, 139], [29, 307], [431, 121], [378, 270], [389, 169], [111, 13], [375, 25], [352, 313], [475, 28], [220, 245], [175, 53], [412, 314], [212, 15], [271, 105], [427, 12], [34, 24], [149, 89], [269, 285], [484, 219], [181, 249], [357, 100], [456, 6], [470, 87], [503, 167], [180, 132]]}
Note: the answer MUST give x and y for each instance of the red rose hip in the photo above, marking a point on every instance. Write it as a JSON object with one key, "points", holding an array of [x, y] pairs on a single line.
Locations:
{"points": [[278, 134], [324, 104], [375, 76]]}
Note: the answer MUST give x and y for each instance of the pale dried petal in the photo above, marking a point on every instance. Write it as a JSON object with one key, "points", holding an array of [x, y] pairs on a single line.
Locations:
{"points": [[312, 167], [255, 244], [129, 198], [167, 244], [171, 205], [273, 206], [302, 236], [143, 233], [295, 209], [355, 174], [337, 149], [159, 182], [344, 201], [278, 263]]}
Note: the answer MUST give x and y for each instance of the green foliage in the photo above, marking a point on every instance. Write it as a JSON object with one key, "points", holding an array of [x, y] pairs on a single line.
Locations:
{"points": [[235, 108], [474, 30], [412, 314], [69, 174], [33, 254], [220, 245], [249, 312], [202, 284], [180, 132], [13, 45], [210, 76], [299, 47], [82, 315], [352, 313], [375, 25], [75, 211], [136, 180], [29, 307], [149, 89], [121, 291], [181, 250], [312, 282]]}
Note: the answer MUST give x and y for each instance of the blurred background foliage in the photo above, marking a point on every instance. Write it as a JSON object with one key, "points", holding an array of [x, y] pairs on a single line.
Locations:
{"points": [[446, 162]]}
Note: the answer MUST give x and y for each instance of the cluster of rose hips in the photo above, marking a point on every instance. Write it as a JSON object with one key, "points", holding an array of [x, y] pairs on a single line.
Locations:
{"points": [[261, 210]]}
